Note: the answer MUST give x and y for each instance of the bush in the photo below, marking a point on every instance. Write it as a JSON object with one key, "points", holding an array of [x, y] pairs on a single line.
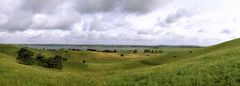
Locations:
{"points": [[51, 50], [122, 55], [51, 62], [160, 51], [147, 51], [41, 60], [25, 56], [39, 57], [91, 50], [55, 62], [135, 51], [83, 61], [109, 51], [115, 51], [152, 51], [64, 58], [190, 51]]}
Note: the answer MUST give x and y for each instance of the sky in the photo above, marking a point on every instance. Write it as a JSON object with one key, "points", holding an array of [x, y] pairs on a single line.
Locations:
{"points": [[119, 22]]}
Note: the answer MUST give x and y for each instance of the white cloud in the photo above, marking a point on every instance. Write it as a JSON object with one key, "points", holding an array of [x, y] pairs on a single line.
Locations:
{"points": [[119, 22]]}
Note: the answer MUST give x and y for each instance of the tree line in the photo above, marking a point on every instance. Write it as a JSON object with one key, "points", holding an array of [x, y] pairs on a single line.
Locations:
{"points": [[152, 51]]}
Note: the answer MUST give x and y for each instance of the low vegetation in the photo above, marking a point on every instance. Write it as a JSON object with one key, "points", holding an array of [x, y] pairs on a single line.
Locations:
{"points": [[25, 56]]}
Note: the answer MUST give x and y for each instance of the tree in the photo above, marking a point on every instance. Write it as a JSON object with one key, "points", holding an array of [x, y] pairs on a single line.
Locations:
{"points": [[115, 51], [122, 55], [160, 51], [55, 62], [152, 51], [156, 51], [25, 56], [41, 60], [135, 51], [190, 51]]}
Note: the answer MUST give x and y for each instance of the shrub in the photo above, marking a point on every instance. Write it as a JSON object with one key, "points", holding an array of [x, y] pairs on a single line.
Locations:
{"points": [[135, 51], [64, 58], [160, 51], [147, 51], [25, 56], [115, 51], [51, 62], [41, 60], [122, 55], [110, 51], [190, 51], [55, 62], [152, 51], [83, 61], [91, 50]]}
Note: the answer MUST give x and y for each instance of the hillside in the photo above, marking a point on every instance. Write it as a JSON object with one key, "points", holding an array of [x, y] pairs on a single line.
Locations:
{"points": [[214, 65]]}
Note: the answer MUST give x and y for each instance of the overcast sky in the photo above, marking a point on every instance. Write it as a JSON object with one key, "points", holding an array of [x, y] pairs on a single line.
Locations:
{"points": [[144, 22]]}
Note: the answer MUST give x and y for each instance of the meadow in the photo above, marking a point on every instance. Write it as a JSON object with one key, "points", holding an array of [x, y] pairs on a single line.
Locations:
{"points": [[217, 65]]}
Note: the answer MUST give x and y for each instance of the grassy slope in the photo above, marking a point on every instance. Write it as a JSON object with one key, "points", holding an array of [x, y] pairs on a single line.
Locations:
{"points": [[215, 65]]}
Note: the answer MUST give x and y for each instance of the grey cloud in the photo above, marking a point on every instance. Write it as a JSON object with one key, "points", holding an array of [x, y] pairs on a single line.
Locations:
{"points": [[201, 31], [11, 17], [129, 6], [147, 32], [140, 6], [93, 6], [226, 31], [106, 21], [172, 18], [21, 14], [98, 26], [19, 21], [54, 21], [41, 6]]}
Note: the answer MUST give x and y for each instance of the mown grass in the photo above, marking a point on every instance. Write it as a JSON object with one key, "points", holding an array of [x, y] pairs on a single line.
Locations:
{"points": [[217, 65]]}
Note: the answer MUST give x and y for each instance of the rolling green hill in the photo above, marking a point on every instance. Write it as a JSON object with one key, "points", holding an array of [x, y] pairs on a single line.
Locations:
{"points": [[214, 65]]}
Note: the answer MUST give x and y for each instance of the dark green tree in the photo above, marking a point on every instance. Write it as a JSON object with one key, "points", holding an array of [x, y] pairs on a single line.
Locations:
{"points": [[83, 61], [25, 56], [55, 62], [41, 60], [135, 51], [122, 55]]}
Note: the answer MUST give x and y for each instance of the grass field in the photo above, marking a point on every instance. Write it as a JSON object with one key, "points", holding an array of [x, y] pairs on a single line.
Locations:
{"points": [[217, 65]]}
